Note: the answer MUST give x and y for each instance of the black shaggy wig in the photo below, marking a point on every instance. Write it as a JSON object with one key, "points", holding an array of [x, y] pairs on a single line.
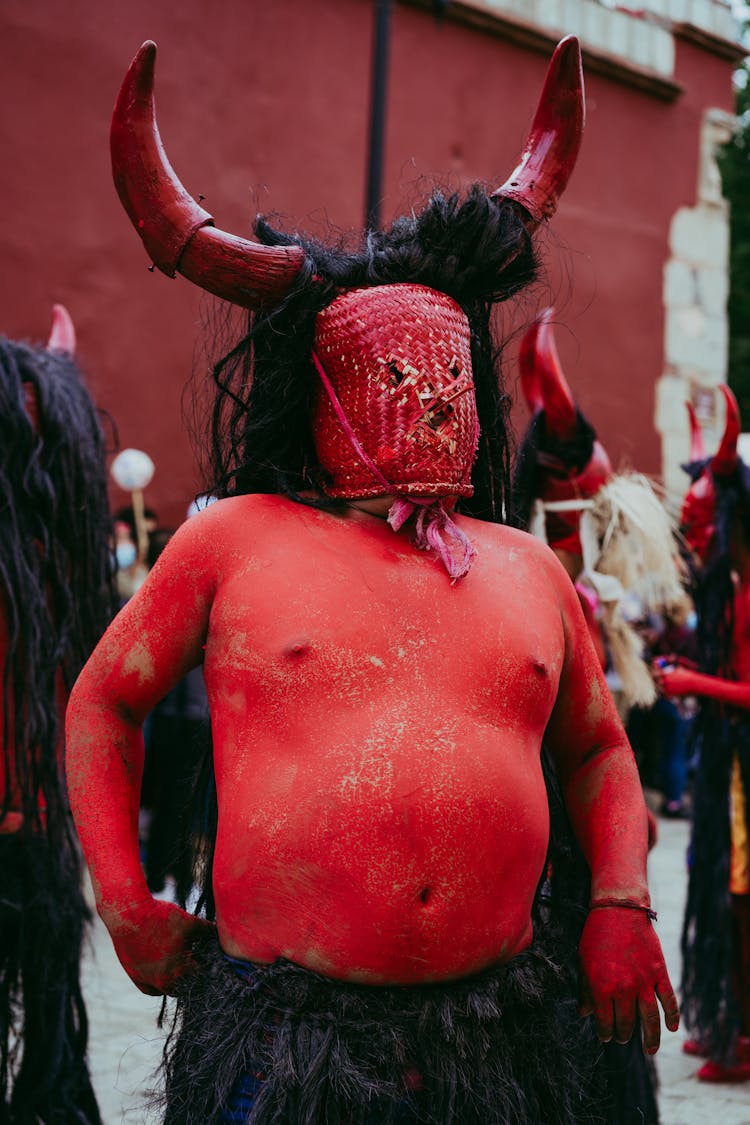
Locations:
{"points": [[477, 251], [55, 602], [709, 1004], [712, 587], [55, 569]]}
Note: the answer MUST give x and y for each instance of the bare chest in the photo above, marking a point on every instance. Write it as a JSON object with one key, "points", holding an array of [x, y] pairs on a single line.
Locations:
{"points": [[371, 619]]}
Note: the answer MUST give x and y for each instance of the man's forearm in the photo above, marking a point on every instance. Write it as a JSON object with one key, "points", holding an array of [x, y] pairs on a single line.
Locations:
{"points": [[104, 771], [608, 813], [731, 692]]}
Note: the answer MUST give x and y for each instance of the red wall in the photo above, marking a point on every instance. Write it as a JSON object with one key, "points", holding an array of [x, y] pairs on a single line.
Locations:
{"points": [[264, 107]]}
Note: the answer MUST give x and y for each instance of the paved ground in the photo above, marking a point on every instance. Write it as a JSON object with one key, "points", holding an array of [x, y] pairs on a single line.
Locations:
{"points": [[125, 1044], [683, 1100]]}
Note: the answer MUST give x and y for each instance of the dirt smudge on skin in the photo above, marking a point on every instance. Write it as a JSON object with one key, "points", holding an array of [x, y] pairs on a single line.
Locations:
{"points": [[139, 662]]}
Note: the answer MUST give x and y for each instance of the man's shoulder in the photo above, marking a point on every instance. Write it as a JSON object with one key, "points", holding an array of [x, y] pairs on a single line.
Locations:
{"points": [[235, 521], [506, 538], [233, 509]]}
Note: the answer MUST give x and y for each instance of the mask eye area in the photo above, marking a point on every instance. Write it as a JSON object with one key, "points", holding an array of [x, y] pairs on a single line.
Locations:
{"points": [[397, 375]]}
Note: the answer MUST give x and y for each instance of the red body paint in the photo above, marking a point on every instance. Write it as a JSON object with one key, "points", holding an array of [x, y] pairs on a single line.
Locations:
{"points": [[377, 730], [377, 734]]}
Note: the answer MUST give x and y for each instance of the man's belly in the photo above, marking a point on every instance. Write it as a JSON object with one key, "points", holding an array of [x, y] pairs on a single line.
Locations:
{"points": [[392, 863]]}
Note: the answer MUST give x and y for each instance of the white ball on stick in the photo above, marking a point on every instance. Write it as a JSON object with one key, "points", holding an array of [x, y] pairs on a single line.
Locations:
{"points": [[132, 470]]}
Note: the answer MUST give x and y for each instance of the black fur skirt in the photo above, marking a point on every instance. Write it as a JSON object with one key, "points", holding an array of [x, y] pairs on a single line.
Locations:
{"points": [[506, 1047]]}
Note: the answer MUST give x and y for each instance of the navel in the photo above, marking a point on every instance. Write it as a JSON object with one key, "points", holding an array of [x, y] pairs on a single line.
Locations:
{"points": [[297, 648]]}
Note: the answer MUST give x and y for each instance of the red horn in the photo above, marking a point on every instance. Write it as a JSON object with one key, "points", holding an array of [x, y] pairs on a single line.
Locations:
{"points": [[62, 336], [177, 233], [724, 461], [560, 414], [527, 363], [551, 150], [697, 446]]}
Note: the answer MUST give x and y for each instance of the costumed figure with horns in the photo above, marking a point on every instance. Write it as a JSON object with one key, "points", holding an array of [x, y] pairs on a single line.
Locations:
{"points": [[383, 657], [612, 535], [55, 602], [609, 530], [716, 933]]}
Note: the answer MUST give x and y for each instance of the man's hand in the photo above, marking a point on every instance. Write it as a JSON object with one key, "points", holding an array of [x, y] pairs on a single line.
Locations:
{"points": [[622, 974], [154, 943]]}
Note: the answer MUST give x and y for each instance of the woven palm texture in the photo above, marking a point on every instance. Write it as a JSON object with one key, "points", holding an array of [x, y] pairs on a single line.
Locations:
{"points": [[398, 360]]}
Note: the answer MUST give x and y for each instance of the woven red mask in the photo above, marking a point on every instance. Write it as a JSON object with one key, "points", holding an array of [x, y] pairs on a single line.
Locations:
{"points": [[395, 410]]}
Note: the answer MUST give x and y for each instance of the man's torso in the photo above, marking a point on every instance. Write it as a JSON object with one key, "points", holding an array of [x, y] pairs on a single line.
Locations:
{"points": [[382, 812]]}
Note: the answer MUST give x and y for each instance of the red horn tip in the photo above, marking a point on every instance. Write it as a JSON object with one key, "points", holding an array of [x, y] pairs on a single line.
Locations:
{"points": [[161, 210], [551, 150], [62, 337], [142, 69], [175, 230], [530, 387], [697, 446], [561, 417], [724, 460]]}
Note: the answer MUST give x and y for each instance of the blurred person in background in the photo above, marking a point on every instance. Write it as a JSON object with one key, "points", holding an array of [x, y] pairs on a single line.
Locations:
{"points": [[716, 932], [131, 570], [609, 530], [673, 637], [55, 600], [177, 740]]}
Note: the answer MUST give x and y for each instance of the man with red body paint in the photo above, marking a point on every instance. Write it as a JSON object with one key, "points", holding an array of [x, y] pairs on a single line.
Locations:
{"points": [[377, 722], [716, 933], [566, 493]]}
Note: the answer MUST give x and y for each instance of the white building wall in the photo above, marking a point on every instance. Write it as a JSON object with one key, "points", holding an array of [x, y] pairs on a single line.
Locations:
{"points": [[696, 326], [645, 40], [641, 34]]}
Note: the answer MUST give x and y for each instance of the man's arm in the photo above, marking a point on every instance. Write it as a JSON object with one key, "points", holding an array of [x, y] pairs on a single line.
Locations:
{"points": [[681, 681], [622, 964], [150, 645]]}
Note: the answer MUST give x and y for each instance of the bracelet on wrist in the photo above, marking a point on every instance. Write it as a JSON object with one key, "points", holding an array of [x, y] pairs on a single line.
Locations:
{"points": [[625, 903]]}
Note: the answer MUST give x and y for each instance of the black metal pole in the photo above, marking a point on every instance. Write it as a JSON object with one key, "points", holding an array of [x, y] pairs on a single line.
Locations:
{"points": [[378, 92]]}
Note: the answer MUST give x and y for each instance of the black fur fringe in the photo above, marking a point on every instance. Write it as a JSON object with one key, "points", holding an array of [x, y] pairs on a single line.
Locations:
{"points": [[503, 1048], [709, 1007], [610, 1083], [560, 910], [710, 1010], [43, 1027]]}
